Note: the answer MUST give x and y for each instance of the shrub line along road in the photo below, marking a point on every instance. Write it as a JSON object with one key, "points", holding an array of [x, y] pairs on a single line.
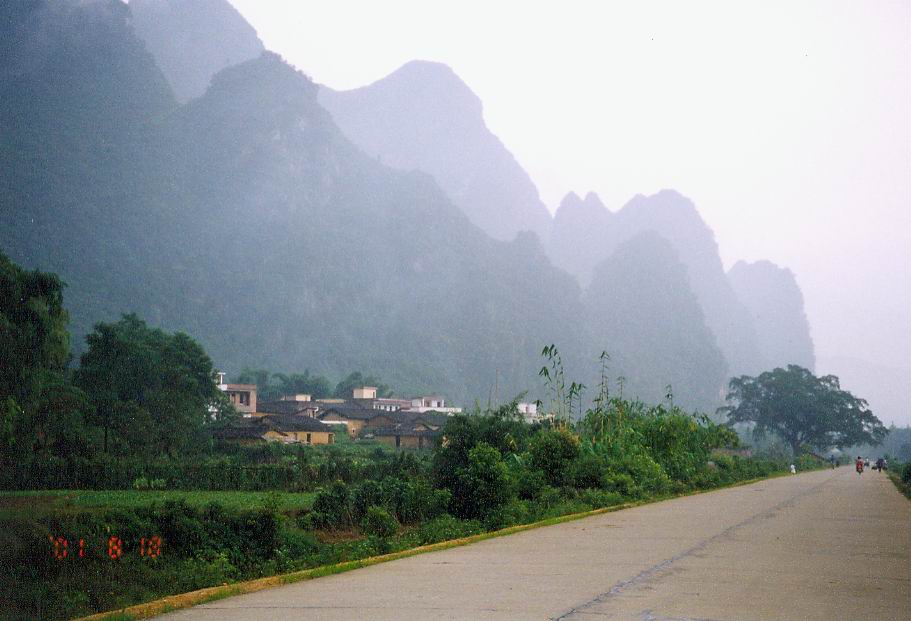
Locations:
{"points": [[821, 545]]}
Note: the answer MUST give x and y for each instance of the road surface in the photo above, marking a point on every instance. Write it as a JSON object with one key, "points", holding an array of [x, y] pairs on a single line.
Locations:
{"points": [[822, 545]]}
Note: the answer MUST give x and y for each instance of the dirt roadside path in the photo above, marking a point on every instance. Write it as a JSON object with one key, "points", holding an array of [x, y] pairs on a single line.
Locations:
{"points": [[823, 545]]}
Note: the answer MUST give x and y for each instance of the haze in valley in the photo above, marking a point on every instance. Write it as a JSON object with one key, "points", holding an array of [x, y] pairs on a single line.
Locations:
{"points": [[785, 123]]}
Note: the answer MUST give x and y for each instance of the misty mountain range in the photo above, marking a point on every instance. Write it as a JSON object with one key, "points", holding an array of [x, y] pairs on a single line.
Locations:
{"points": [[160, 160]]}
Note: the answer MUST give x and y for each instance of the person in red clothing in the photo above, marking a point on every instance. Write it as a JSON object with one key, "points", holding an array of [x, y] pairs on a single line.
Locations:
{"points": [[859, 464]]}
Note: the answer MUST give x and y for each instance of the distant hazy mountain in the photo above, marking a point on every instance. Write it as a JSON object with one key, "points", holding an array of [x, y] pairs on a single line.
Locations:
{"points": [[775, 302], [643, 312], [586, 237], [248, 219], [423, 117], [580, 237], [192, 40]]}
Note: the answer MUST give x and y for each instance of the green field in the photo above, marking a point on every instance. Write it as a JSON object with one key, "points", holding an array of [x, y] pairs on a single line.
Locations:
{"points": [[36, 503]]}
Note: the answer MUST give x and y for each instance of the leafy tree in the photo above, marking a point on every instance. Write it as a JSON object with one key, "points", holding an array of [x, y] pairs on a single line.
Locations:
{"points": [[37, 406], [151, 389], [271, 385], [804, 410], [499, 429], [484, 485]]}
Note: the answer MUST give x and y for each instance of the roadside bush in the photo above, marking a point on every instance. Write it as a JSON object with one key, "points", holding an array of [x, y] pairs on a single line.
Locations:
{"points": [[364, 496], [333, 504], [378, 522], [553, 452], [483, 486], [588, 472], [513, 512], [529, 482], [446, 528], [599, 498], [906, 473]]}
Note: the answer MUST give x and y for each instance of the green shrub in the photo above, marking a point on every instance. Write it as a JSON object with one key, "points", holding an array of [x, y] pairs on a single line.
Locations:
{"points": [[599, 498], [513, 512], [378, 522], [334, 506], [529, 482], [363, 497], [588, 472], [553, 452], [446, 528], [906, 473]]}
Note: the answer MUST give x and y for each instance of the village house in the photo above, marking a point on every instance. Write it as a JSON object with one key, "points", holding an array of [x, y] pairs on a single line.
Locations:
{"points": [[298, 429], [355, 417], [289, 407], [241, 396], [294, 429], [433, 403], [404, 437], [404, 423]]}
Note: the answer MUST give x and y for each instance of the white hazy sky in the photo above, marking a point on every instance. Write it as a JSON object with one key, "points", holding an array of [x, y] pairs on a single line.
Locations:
{"points": [[788, 123]]}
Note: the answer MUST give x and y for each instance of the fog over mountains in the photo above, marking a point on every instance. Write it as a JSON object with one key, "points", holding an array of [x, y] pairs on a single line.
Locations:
{"points": [[212, 188], [423, 117]]}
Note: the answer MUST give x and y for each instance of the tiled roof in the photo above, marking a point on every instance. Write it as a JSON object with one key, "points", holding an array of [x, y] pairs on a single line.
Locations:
{"points": [[285, 407], [295, 423], [242, 429], [350, 411], [400, 430]]}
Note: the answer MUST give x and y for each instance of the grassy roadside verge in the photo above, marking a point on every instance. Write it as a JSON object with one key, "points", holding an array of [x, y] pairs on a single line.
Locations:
{"points": [[202, 596], [902, 487]]}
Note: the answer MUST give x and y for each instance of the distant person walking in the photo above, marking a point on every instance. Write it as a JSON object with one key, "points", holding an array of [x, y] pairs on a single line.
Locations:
{"points": [[859, 464], [834, 462], [880, 464]]}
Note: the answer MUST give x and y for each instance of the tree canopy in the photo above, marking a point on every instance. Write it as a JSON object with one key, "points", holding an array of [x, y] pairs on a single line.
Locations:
{"points": [[151, 389], [34, 349], [804, 410]]}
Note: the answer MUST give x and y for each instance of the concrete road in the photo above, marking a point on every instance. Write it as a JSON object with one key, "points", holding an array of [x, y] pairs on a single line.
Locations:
{"points": [[823, 545]]}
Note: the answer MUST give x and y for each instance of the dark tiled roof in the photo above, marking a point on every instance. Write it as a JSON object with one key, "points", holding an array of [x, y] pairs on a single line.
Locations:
{"points": [[350, 411], [240, 430], [285, 407], [295, 423], [434, 419], [400, 430]]}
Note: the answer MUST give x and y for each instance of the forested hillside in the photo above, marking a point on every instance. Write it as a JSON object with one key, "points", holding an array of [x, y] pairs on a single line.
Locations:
{"points": [[247, 218]]}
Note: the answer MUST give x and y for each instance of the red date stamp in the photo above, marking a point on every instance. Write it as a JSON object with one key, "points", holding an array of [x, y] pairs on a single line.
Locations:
{"points": [[148, 547]]}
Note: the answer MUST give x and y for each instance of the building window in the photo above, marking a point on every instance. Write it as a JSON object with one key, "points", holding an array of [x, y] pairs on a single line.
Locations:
{"points": [[308, 438]]}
